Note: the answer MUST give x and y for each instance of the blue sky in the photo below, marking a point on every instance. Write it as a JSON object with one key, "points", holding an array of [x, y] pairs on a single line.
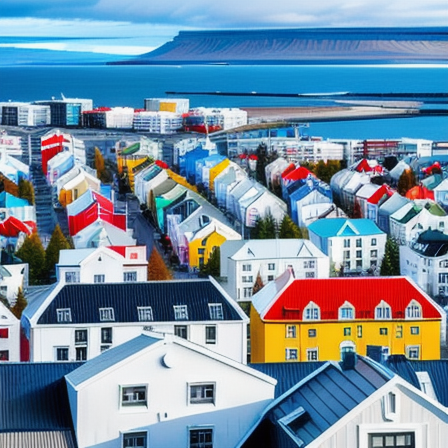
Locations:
{"points": [[138, 26]]}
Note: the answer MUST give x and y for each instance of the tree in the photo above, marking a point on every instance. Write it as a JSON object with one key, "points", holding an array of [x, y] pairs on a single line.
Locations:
{"points": [[356, 210], [157, 269], [289, 229], [26, 191], [406, 181], [265, 228], [57, 243], [20, 304], [390, 265], [258, 285], [33, 253], [213, 265]]}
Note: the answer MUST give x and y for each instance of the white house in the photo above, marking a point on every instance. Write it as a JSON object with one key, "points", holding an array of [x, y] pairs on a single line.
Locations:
{"points": [[113, 264], [160, 392], [9, 335], [67, 322], [242, 261], [13, 277]]}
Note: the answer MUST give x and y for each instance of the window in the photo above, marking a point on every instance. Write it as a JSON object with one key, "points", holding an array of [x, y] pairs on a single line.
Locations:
{"points": [[201, 251], [359, 254], [81, 353], [180, 312], [106, 335], [415, 330], [346, 311], [373, 254], [270, 278], [247, 292], [413, 310], [134, 440], [291, 354], [358, 242], [4, 355], [312, 333], [311, 264], [312, 354], [99, 278], [373, 242], [4, 333], [61, 353], [181, 331], [247, 267], [426, 385], [271, 266], [383, 331], [346, 254], [346, 243], [392, 440], [215, 310], [130, 276], [383, 311], [347, 331], [248, 278], [413, 351], [210, 334], [399, 331], [72, 277], [133, 395], [358, 264], [311, 312], [309, 274], [359, 331], [64, 315], [347, 266], [107, 314], [201, 438], [291, 331], [202, 393], [145, 314], [80, 337], [443, 277]]}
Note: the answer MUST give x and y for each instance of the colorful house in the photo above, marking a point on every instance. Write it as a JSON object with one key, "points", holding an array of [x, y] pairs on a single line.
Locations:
{"points": [[315, 319], [376, 200]]}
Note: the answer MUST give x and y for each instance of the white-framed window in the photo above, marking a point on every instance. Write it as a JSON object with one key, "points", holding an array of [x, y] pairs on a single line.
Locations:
{"points": [[291, 331], [311, 312], [413, 351], [200, 438], [391, 435], [215, 310], [107, 314], [247, 267], [61, 353], [181, 331], [415, 330], [180, 312], [310, 264], [247, 292], [374, 254], [346, 243], [291, 354], [81, 353], [310, 274], [373, 242], [347, 311], [392, 440], [72, 277], [135, 440], [81, 337], [202, 393], [64, 315], [134, 395], [312, 333], [247, 278], [414, 310], [358, 242], [99, 278], [106, 335], [359, 254], [130, 276], [443, 277], [426, 385], [383, 311], [271, 266], [312, 354], [270, 278], [145, 314], [210, 334]]}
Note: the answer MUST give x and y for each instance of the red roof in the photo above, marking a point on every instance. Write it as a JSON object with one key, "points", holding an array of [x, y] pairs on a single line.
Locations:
{"points": [[383, 190], [119, 249], [363, 165], [299, 173], [420, 192], [364, 293], [291, 167], [12, 226], [161, 164]]}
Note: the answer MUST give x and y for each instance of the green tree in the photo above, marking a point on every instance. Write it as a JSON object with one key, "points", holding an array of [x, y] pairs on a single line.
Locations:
{"points": [[390, 265], [157, 269], [265, 228], [20, 304], [57, 243], [33, 253], [406, 181], [289, 229], [26, 191], [213, 265]]}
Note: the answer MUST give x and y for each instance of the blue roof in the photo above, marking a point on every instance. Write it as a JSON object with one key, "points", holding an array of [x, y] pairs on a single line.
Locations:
{"points": [[84, 300], [7, 200], [34, 396], [330, 227], [109, 358]]}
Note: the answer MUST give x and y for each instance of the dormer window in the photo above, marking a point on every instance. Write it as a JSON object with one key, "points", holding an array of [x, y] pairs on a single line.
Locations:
{"points": [[180, 312], [215, 310], [145, 313], [383, 311], [414, 310], [107, 314], [311, 312], [347, 311], [64, 315]]}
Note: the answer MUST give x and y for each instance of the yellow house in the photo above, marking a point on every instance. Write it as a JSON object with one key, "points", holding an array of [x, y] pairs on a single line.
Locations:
{"points": [[316, 319], [215, 171]]}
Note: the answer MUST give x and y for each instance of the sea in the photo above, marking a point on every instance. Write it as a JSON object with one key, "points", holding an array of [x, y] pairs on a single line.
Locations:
{"points": [[129, 85]]}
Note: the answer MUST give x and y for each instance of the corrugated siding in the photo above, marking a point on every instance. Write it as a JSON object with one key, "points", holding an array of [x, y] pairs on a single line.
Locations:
{"points": [[43, 439]]}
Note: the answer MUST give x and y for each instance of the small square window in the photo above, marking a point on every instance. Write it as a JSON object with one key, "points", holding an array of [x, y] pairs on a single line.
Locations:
{"points": [[145, 314], [413, 351], [270, 278], [107, 314], [247, 292], [106, 335], [373, 254], [80, 337], [99, 278], [181, 331], [310, 274], [373, 242], [201, 438], [72, 277], [210, 334], [202, 393], [359, 254], [383, 331], [64, 315], [399, 331], [312, 333], [271, 266], [291, 331], [180, 312], [61, 353], [81, 353], [312, 354], [415, 330], [215, 310], [133, 396], [135, 440], [4, 355], [291, 354], [358, 242], [347, 331], [130, 276], [247, 267]]}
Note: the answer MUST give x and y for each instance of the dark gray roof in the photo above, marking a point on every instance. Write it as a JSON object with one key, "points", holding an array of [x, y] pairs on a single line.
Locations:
{"points": [[85, 300], [431, 243]]}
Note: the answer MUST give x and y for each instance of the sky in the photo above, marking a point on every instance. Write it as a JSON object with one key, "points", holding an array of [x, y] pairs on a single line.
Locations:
{"points": [[139, 26]]}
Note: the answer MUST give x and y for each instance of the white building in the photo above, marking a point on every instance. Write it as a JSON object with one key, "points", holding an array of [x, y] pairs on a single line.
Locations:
{"points": [[24, 114], [157, 122], [159, 392], [13, 277], [243, 261], [176, 105], [103, 265], [68, 322], [9, 335]]}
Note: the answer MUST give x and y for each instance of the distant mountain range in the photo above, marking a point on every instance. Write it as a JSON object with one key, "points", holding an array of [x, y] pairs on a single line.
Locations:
{"points": [[302, 46]]}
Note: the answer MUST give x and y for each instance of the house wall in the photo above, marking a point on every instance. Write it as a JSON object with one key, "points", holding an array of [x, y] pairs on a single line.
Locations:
{"points": [[10, 336], [101, 420], [197, 259]]}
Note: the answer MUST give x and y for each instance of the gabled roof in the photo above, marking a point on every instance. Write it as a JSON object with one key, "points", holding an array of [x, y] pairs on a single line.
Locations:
{"points": [[382, 192], [102, 233], [85, 300], [394, 203], [420, 192], [431, 243], [331, 227], [364, 293]]}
